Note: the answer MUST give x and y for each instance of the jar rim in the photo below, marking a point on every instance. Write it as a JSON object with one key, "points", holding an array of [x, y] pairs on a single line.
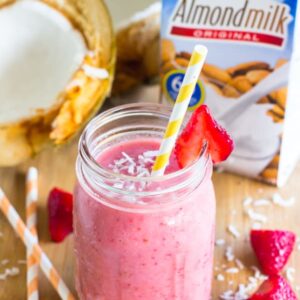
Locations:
{"points": [[87, 158], [87, 155]]}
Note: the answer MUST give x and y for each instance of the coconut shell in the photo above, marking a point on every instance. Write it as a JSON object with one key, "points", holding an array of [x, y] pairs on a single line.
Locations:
{"points": [[75, 105]]}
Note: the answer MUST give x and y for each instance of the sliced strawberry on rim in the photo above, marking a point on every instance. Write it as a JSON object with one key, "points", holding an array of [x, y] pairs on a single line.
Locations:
{"points": [[201, 129], [272, 248], [274, 288], [60, 214]]}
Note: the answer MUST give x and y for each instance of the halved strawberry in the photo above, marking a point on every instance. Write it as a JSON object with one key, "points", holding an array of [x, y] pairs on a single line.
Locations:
{"points": [[201, 129], [272, 248], [60, 213], [274, 288]]}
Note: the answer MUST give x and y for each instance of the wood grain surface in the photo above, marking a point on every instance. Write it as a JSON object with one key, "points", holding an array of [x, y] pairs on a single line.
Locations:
{"points": [[56, 167]]}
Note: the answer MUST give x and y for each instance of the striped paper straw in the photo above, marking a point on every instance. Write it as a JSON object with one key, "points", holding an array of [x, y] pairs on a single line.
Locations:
{"points": [[31, 243], [31, 222], [180, 107]]}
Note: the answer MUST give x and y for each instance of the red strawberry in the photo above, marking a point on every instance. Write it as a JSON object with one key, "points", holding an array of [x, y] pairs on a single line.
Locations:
{"points": [[274, 288], [272, 248], [201, 129], [60, 208]]}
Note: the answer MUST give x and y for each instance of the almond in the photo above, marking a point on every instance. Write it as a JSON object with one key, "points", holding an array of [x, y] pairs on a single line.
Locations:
{"points": [[280, 96], [256, 76], [264, 100], [182, 62], [244, 68], [216, 73], [276, 118], [230, 91], [241, 83], [278, 110], [270, 174], [184, 54]]}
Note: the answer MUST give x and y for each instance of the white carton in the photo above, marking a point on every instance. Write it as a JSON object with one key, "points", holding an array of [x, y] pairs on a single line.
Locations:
{"points": [[251, 80]]}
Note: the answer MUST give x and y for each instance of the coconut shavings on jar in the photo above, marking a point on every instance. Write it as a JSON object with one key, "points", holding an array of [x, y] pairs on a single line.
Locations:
{"points": [[139, 168]]}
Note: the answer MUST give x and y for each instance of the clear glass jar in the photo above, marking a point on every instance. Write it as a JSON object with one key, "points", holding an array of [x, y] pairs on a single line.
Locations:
{"points": [[148, 244]]}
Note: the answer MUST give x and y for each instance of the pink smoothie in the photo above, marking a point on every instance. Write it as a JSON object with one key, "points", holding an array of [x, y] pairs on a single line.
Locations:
{"points": [[163, 254]]}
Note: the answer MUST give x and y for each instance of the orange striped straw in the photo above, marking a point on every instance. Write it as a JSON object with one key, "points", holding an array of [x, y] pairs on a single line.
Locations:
{"points": [[31, 243], [31, 222]]}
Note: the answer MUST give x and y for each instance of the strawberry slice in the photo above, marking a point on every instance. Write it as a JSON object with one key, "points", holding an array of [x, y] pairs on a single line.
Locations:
{"points": [[60, 213], [274, 288], [272, 248], [201, 129]]}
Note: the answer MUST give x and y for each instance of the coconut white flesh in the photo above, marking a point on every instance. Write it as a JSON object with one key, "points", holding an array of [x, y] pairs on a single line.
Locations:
{"points": [[39, 53]]}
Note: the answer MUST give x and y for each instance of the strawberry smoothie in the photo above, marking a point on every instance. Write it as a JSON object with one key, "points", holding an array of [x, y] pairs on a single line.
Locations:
{"points": [[152, 242]]}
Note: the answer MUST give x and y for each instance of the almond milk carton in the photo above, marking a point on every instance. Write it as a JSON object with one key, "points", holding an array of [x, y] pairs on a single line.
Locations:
{"points": [[251, 79]]}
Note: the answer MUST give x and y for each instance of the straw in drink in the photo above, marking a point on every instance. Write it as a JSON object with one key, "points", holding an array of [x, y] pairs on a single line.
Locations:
{"points": [[182, 102]]}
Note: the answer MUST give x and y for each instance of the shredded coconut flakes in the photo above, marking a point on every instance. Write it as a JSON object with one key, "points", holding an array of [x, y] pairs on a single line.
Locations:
{"points": [[257, 274], [239, 264], [229, 254], [139, 167], [220, 277], [261, 202], [4, 262], [278, 200], [232, 270], [9, 272], [256, 216], [233, 230], [220, 242], [248, 201]]}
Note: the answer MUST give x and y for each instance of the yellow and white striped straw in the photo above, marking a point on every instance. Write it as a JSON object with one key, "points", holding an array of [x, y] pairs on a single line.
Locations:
{"points": [[31, 243], [31, 222], [179, 110]]}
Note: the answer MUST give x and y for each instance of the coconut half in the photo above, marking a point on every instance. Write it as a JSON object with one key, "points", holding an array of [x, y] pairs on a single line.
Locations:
{"points": [[56, 66]]}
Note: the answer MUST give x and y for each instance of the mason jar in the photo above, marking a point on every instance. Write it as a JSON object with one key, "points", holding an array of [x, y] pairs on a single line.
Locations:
{"points": [[151, 243]]}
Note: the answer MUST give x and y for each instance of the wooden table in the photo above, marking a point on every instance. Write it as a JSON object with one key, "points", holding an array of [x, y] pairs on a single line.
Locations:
{"points": [[56, 168]]}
